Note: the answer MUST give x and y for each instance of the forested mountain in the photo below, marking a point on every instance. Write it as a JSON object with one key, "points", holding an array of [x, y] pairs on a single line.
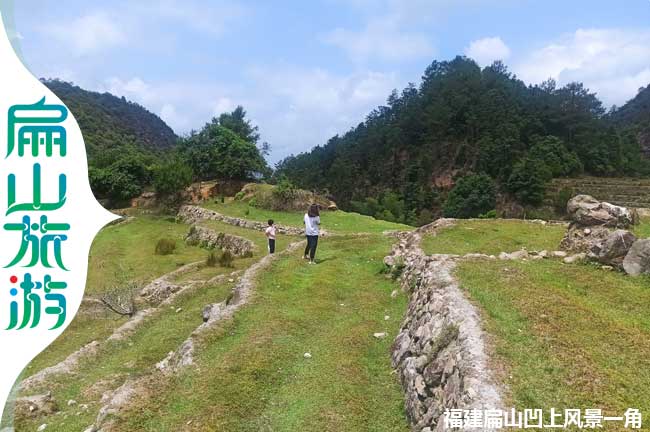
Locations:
{"points": [[635, 115], [131, 149], [108, 121], [462, 120]]}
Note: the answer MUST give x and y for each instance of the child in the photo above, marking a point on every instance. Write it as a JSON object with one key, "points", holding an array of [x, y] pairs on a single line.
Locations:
{"points": [[270, 234]]}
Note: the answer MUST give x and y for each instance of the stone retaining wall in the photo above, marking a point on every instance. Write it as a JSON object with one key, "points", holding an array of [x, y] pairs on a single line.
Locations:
{"points": [[194, 214], [440, 353], [208, 238]]}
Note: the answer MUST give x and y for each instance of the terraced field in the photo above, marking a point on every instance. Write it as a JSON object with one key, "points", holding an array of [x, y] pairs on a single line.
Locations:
{"points": [[249, 372]]}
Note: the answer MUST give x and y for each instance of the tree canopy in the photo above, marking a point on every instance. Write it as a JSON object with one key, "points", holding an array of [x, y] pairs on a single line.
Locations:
{"points": [[462, 119]]}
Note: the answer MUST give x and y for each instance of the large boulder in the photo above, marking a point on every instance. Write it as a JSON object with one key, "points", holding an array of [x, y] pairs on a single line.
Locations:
{"points": [[583, 240], [637, 260], [587, 211], [614, 248]]}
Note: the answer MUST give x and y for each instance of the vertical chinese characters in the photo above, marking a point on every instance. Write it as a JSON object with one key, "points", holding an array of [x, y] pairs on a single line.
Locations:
{"points": [[36, 132]]}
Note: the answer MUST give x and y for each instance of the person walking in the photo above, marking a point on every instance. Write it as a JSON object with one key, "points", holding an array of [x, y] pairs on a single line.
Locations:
{"points": [[270, 235], [312, 224]]}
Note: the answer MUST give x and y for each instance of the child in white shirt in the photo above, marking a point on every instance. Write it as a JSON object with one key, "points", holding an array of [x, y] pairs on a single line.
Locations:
{"points": [[270, 235]]}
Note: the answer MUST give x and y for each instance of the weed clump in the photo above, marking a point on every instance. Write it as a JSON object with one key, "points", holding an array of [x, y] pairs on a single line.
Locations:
{"points": [[165, 246], [226, 259], [212, 260]]}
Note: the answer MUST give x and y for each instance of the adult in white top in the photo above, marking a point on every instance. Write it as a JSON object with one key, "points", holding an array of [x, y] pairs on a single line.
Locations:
{"points": [[312, 224]]}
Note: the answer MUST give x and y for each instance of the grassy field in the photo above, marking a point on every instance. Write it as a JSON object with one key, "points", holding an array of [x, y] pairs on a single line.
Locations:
{"points": [[567, 336], [127, 252], [251, 374], [493, 236], [332, 221], [124, 252], [117, 361]]}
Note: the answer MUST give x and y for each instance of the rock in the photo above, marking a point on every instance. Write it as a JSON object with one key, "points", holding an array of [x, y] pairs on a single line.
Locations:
{"points": [[576, 241], [208, 238], [514, 256], [179, 310], [587, 211], [614, 248], [72, 402], [559, 254], [307, 355], [35, 406], [386, 317], [381, 335], [607, 268], [575, 258], [637, 260], [394, 294], [389, 260], [41, 428]]}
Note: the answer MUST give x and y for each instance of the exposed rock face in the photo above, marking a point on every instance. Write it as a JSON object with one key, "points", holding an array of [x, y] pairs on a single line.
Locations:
{"points": [[587, 211], [637, 260], [439, 352], [205, 237], [194, 214]]}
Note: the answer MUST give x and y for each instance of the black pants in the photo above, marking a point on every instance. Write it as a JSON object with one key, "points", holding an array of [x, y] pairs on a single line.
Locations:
{"points": [[271, 245], [312, 242]]}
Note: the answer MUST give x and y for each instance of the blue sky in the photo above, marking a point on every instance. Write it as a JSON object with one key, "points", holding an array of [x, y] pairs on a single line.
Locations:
{"points": [[306, 70]]}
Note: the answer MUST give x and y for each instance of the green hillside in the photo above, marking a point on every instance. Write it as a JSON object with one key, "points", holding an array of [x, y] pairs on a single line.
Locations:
{"points": [[462, 119]]}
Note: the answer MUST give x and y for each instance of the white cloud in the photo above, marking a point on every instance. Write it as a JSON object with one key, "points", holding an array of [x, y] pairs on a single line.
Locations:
{"points": [[612, 62], [298, 108], [485, 51], [182, 105], [382, 39], [390, 36], [222, 105], [89, 34], [212, 19]]}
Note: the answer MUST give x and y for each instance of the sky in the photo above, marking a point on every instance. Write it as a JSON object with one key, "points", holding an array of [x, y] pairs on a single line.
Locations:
{"points": [[308, 70]]}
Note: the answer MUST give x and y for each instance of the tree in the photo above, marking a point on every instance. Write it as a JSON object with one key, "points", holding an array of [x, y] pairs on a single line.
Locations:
{"points": [[528, 181], [472, 195], [218, 152], [236, 121], [553, 153], [172, 177]]}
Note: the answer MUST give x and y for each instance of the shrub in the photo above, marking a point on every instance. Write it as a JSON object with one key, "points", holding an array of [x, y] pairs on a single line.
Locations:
{"points": [[165, 246], [212, 260], [559, 160], [172, 177], [285, 190], [528, 181], [561, 199], [226, 259], [240, 196], [472, 195], [425, 217], [492, 214]]}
